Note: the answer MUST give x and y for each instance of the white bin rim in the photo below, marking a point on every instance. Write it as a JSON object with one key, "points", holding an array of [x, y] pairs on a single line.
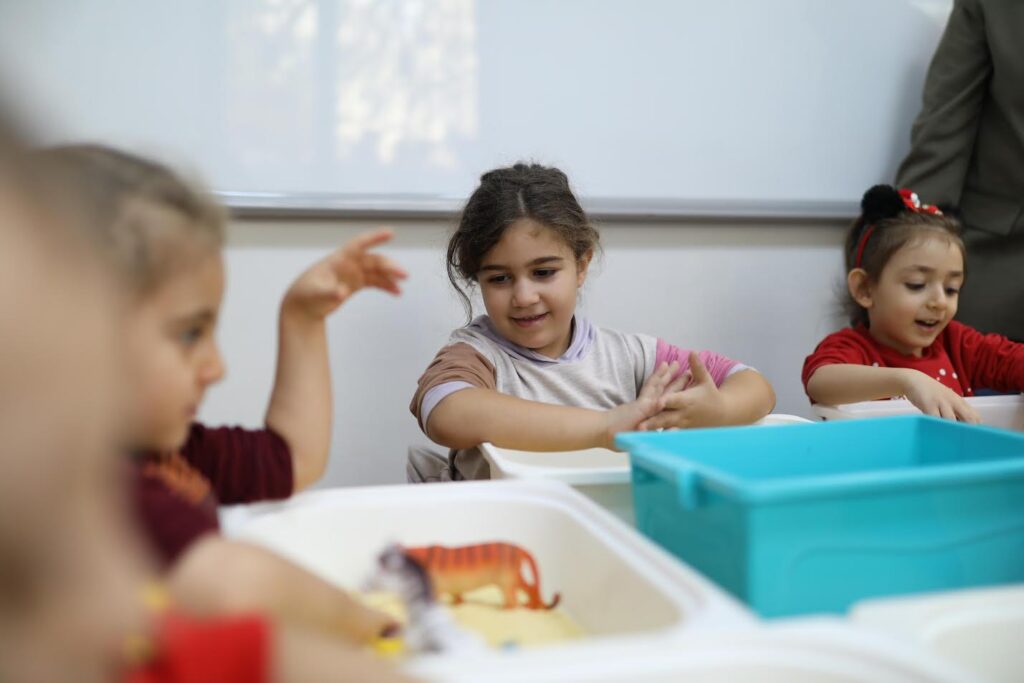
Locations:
{"points": [[1005, 411], [819, 649], [977, 628], [589, 467]]}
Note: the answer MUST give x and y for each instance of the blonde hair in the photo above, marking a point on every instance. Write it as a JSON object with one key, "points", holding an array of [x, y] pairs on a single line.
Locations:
{"points": [[140, 213]]}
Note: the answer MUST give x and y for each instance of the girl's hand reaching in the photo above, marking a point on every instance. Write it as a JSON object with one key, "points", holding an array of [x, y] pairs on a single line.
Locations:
{"points": [[933, 398], [692, 400], [329, 282], [650, 402], [301, 408]]}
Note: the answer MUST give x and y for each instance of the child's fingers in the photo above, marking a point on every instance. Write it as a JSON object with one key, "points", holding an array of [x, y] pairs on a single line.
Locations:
{"points": [[386, 280], [380, 266], [679, 400], [355, 250], [385, 266], [648, 391], [368, 270], [394, 269], [969, 416], [698, 370], [662, 377], [389, 286], [966, 413], [651, 386], [666, 419], [384, 284], [679, 383], [367, 240]]}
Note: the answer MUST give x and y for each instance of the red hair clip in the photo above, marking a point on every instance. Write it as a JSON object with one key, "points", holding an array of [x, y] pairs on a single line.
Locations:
{"points": [[913, 203]]}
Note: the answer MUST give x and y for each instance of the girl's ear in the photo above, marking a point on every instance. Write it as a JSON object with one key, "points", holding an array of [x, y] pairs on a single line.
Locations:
{"points": [[859, 284], [581, 267]]}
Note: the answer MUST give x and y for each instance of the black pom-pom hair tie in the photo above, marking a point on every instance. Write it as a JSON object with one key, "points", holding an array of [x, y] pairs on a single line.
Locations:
{"points": [[882, 202]]}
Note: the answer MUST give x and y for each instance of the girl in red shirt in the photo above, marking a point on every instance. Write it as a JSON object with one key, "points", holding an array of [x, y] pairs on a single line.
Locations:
{"points": [[161, 239], [905, 268], [70, 565]]}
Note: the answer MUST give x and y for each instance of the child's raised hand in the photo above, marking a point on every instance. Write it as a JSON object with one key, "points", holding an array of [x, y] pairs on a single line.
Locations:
{"points": [[329, 282], [692, 400], [650, 401], [933, 398]]}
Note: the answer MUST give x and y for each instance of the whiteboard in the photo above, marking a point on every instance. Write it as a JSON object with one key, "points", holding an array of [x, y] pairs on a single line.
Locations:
{"points": [[653, 107]]}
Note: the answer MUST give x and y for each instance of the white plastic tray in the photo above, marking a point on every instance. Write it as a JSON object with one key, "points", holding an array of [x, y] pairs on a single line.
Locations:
{"points": [[811, 651], [1006, 412], [981, 630], [615, 584], [651, 619], [598, 473]]}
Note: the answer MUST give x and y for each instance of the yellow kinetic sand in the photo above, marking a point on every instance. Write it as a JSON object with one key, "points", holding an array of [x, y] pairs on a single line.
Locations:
{"points": [[467, 597], [482, 612]]}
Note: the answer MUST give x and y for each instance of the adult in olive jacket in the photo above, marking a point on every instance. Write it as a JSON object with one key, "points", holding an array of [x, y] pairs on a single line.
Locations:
{"points": [[967, 150]]}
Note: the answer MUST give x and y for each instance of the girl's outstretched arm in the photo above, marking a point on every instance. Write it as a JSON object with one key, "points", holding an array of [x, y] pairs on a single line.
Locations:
{"points": [[218, 577], [849, 383], [470, 417], [301, 406], [852, 383]]}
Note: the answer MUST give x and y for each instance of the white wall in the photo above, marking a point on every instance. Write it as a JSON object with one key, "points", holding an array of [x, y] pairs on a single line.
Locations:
{"points": [[762, 293]]}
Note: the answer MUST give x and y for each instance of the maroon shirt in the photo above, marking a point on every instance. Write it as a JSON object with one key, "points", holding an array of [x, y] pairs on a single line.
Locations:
{"points": [[176, 496]]}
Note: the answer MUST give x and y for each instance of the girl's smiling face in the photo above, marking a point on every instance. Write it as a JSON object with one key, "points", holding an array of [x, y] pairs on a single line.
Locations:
{"points": [[915, 296], [529, 281]]}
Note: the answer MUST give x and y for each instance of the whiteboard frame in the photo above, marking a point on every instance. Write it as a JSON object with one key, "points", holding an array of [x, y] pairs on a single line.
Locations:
{"points": [[312, 205]]}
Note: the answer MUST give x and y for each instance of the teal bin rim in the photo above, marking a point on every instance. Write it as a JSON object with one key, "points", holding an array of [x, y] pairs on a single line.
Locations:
{"points": [[693, 476]]}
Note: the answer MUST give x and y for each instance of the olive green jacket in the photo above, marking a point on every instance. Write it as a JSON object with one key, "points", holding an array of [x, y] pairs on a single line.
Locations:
{"points": [[967, 150]]}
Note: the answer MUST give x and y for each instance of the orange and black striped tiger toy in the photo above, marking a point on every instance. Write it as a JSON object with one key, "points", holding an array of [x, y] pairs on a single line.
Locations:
{"points": [[465, 568]]}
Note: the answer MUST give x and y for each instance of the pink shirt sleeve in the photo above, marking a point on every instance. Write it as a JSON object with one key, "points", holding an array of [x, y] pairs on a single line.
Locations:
{"points": [[719, 367]]}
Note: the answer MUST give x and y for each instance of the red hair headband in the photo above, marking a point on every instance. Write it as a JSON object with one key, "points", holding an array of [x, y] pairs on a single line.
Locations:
{"points": [[913, 204]]}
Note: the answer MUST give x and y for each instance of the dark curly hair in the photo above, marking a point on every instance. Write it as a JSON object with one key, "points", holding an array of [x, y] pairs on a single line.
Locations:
{"points": [[506, 195], [895, 226]]}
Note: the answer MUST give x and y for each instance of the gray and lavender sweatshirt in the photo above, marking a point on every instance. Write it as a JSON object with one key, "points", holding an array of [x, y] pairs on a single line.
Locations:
{"points": [[601, 369]]}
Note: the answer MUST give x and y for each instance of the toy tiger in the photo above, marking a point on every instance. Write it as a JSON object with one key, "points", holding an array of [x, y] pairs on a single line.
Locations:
{"points": [[462, 569]]}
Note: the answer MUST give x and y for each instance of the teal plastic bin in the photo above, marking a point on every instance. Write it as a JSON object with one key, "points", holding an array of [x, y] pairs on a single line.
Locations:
{"points": [[811, 518]]}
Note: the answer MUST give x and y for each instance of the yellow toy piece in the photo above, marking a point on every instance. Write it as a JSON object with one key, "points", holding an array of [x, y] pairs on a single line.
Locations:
{"points": [[389, 647]]}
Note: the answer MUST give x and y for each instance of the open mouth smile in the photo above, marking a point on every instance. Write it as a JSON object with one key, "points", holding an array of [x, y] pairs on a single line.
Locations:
{"points": [[530, 321]]}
